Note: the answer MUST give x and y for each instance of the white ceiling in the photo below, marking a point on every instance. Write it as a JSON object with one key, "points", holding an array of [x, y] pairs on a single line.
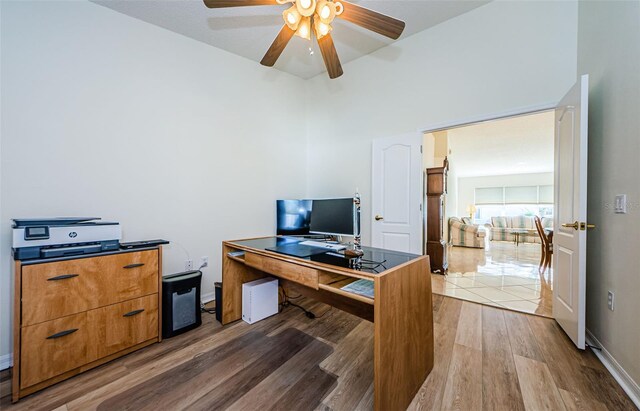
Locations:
{"points": [[518, 145], [249, 31]]}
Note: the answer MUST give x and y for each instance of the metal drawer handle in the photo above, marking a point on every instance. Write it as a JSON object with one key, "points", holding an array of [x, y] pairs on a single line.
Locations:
{"points": [[134, 312], [133, 265], [62, 334], [62, 277]]}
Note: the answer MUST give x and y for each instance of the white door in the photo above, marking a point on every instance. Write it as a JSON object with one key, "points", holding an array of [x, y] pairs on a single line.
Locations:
{"points": [[396, 215], [570, 235]]}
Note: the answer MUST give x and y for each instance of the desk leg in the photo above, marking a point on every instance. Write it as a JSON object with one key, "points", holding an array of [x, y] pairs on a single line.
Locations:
{"points": [[234, 274], [403, 339]]}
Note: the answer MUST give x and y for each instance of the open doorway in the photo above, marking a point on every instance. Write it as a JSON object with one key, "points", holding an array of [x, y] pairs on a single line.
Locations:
{"points": [[497, 211]]}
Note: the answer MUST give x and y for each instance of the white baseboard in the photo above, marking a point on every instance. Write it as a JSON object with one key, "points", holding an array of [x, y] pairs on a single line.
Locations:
{"points": [[208, 297], [6, 361], [626, 382]]}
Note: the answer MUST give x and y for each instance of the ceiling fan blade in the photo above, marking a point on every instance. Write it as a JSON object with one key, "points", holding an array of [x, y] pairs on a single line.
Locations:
{"points": [[330, 56], [372, 20], [217, 4], [277, 46]]}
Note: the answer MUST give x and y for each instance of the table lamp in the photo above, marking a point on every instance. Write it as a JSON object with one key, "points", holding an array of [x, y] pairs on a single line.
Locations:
{"points": [[471, 209]]}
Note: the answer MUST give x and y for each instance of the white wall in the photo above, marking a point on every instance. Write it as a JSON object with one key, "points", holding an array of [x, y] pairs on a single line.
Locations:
{"points": [[428, 150], [468, 185], [498, 57], [106, 115], [609, 51]]}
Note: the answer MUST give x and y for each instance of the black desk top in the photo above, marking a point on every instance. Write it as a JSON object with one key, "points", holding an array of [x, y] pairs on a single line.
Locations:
{"points": [[76, 257], [374, 260]]}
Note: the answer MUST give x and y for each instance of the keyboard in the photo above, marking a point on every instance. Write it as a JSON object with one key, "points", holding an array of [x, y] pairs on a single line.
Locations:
{"points": [[297, 250], [321, 244]]}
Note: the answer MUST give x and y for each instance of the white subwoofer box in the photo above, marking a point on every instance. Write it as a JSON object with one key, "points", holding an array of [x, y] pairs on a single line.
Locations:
{"points": [[259, 299]]}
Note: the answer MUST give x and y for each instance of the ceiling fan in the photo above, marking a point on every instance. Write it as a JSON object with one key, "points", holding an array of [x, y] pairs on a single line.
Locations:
{"points": [[305, 18]]}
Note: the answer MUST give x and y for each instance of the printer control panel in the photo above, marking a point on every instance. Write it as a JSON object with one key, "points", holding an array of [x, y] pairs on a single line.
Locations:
{"points": [[36, 233]]}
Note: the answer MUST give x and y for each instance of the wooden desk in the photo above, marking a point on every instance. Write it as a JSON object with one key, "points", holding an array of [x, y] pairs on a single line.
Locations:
{"points": [[401, 310]]}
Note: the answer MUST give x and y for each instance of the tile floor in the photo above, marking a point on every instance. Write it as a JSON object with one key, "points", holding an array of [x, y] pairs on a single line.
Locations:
{"points": [[502, 275]]}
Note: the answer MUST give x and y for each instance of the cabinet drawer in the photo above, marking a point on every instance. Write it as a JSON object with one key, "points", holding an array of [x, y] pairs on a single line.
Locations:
{"points": [[124, 325], [297, 273], [53, 290], [54, 347]]}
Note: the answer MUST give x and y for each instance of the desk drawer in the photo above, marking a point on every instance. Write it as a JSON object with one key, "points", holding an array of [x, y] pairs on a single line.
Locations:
{"points": [[290, 271], [57, 289]]}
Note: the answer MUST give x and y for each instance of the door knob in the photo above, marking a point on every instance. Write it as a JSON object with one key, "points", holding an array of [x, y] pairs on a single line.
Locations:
{"points": [[378, 217], [575, 225]]}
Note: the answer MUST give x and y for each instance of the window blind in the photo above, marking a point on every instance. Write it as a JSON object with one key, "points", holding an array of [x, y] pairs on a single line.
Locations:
{"points": [[546, 195], [521, 195], [489, 195], [514, 195]]}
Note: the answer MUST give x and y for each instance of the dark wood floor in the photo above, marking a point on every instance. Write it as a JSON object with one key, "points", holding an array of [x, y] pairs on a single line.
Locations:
{"points": [[486, 359]]}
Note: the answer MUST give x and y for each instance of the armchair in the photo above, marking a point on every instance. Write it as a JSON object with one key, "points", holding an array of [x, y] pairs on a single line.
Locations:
{"points": [[465, 235]]}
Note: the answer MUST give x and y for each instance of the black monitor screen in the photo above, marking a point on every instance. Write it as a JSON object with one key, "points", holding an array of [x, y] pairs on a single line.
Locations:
{"points": [[333, 216], [293, 217]]}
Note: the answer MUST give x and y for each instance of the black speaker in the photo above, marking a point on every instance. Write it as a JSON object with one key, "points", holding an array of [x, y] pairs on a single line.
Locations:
{"points": [[181, 303]]}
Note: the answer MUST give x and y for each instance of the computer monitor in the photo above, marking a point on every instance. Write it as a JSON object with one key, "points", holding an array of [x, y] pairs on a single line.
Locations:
{"points": [[333, 216], [293, 217]]}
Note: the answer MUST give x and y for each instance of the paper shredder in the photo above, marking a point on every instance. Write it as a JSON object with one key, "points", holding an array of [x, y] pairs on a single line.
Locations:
{"points": [[181, 303]]}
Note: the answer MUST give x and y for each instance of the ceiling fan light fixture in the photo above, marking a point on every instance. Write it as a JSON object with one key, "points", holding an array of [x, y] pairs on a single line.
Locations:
{"points": [[339, 8], [326, 11], [292, 17], [304, 28], [306, 7], [308, 18], [321, 28]]}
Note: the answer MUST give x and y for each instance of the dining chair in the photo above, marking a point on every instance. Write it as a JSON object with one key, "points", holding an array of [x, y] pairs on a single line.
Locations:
{"points": [[546, 247]]}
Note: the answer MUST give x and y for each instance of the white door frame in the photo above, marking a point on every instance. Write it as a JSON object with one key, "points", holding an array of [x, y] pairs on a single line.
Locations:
{"points": [[495, 116], [432, 128], [435, 127]]}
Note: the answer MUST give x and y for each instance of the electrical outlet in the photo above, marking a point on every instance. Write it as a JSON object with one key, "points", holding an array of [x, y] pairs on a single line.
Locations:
{"points": [[610, 300], [188, 265], [204, 262]]}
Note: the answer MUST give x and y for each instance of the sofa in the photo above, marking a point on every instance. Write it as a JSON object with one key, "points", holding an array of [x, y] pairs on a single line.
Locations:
{"points": [[501, 228], [465, 235]]}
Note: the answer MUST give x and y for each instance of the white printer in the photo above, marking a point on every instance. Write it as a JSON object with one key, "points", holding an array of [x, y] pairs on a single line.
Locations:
{"points": [[63, 236]]}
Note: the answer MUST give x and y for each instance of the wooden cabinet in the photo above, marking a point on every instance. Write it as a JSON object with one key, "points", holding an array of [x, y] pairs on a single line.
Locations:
{"points": [[77, 313], [436, 182]]}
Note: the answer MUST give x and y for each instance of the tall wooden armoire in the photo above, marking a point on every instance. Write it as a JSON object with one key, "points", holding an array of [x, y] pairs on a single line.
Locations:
{"points": [[436, 244]]}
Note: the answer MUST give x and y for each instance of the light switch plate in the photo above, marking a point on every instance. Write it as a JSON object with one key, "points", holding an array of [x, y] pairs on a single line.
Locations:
{"points": [[620, 205]]}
